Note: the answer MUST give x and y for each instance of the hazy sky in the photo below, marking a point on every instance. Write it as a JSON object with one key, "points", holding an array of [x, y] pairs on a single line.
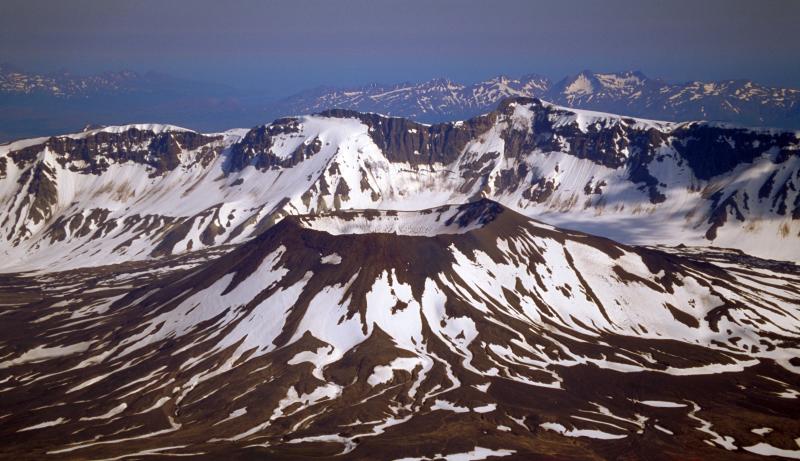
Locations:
{"points": [[291, 45]]}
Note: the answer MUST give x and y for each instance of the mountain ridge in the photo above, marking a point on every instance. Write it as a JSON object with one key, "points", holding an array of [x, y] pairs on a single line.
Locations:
{"points": [[608, 175]]}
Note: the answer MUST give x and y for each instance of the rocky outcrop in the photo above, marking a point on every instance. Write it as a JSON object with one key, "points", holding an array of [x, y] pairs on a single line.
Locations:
{"points": [[94, 152], [712, 150], [255, 147], [405, 141]]}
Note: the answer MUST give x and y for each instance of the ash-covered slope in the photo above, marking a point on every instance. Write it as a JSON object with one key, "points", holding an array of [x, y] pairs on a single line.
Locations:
{"points": [[375, 335], [140, 191]]}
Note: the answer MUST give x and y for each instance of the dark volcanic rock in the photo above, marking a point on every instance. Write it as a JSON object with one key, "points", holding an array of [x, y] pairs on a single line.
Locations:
{"points": [[402, 140], [500, 333], [157, 150], [712, 150]]}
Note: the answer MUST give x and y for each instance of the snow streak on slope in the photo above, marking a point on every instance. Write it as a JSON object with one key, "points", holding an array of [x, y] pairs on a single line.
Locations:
{"points": [[358, 340], [133, 210]]}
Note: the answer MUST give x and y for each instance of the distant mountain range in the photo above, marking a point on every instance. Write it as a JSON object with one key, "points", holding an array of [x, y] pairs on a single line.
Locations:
{"points": [[34, 104], [742, 102], [42, 104], [66, 85]]}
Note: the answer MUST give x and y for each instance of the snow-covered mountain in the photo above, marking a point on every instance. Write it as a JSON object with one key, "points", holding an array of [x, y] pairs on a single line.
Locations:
{"points": [[139, 191], [434, 100], [349, 285], [631, 93], [457, 332]]}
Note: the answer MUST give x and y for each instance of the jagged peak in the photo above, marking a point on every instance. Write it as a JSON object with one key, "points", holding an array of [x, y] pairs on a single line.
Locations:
{"points": [[501, 78], [580, 84], [437, 81]]}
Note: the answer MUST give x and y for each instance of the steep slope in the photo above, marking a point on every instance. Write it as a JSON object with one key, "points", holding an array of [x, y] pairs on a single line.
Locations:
{"points": [[386, 334], [632, 93], [136, 192]]}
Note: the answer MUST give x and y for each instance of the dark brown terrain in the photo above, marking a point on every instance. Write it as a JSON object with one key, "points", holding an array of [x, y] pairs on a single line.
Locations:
{"points": [[459, 332]]}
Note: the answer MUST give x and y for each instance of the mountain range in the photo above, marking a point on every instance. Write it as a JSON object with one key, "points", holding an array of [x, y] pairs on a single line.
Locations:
{"points": [[34, 104], [535, 282], [65, 85], [743, 102]]}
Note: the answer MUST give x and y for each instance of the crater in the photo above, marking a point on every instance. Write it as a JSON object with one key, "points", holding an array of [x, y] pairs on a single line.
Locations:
{"points": [[448, 219]]}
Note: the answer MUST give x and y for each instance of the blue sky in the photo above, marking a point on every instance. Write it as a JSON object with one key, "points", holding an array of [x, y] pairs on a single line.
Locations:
{"points": [[285, 46]]}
